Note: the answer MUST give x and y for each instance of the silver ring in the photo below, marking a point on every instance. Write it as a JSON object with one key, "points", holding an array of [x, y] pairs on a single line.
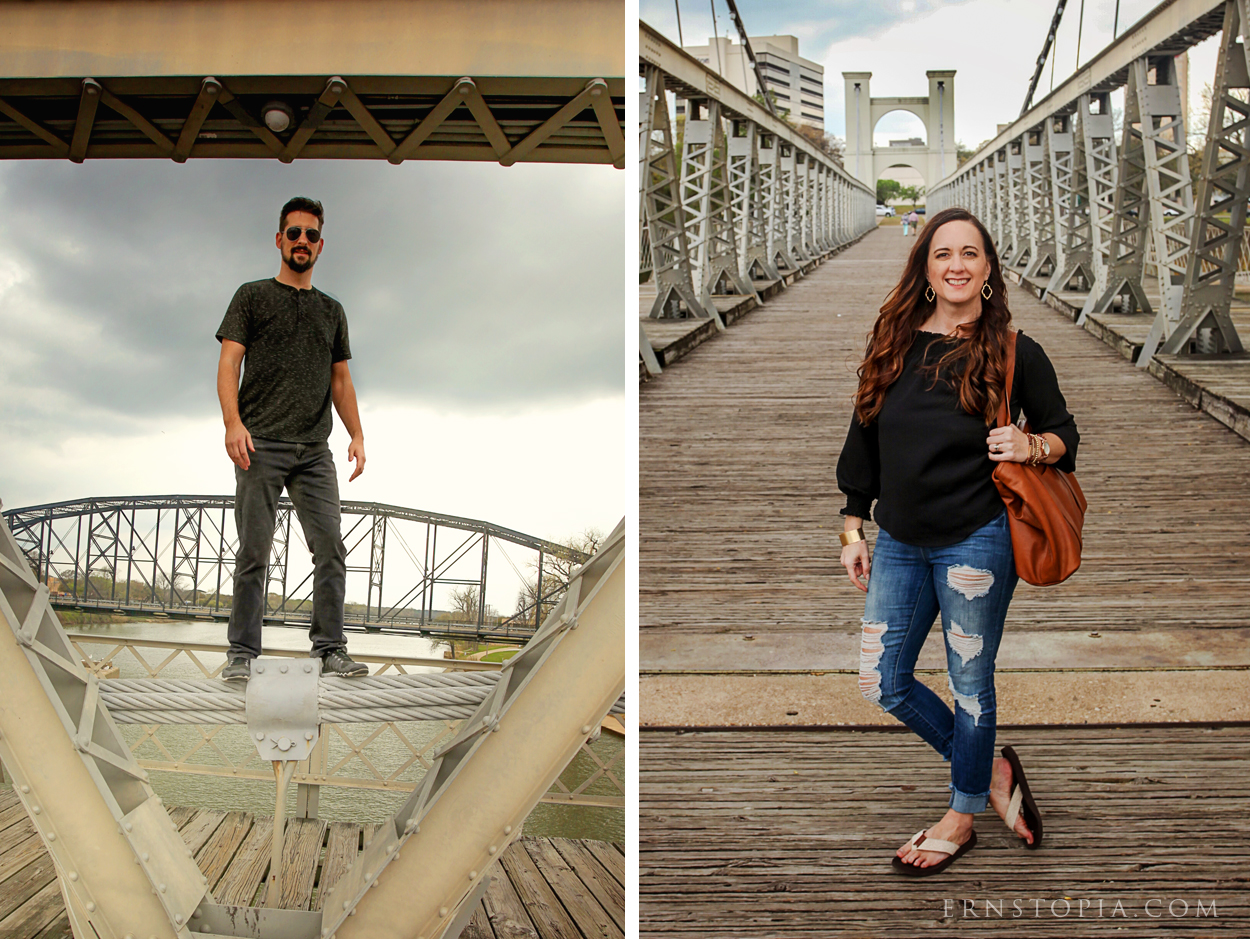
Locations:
{"points": [[996, 450]]}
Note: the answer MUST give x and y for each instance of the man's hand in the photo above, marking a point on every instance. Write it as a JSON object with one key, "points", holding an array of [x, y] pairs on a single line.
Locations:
{"points": [[356, 451], [238, 442]]}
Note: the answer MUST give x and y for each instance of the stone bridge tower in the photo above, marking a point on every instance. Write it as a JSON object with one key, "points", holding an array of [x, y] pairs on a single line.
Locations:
{"points": [[935, 160]]}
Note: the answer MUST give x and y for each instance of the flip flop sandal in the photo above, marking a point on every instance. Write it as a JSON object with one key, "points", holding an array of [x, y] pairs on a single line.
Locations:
{"points": [[924, 843], [1022, 801]]}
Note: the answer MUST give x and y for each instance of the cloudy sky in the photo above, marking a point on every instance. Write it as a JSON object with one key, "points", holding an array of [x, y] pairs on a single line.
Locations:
{"points": [[485, 308], [992, 44]]}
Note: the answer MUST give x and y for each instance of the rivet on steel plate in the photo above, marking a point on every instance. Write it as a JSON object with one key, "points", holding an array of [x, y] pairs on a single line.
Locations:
{"points": [[178, 918], [160, 887], [282, 669], [492, 849], [585, 728], [307, 669], [472, 875], [146, 856], [259, 735], [507, 829], [36, 809], [26, 789], [260, 669], [442, 911], [73, 876], [90, 907], [128, 826], [52, 836]]}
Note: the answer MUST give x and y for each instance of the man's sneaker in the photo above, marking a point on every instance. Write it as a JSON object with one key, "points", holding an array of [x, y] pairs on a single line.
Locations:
{"points": [[239, 669], [338, 662]]}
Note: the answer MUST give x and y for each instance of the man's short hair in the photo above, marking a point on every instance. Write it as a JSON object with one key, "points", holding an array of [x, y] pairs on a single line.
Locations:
{"points": [[301, 204]]}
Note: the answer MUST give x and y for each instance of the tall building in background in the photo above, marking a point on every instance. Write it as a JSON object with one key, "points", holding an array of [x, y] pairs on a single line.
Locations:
{"points": [[798, 84]]}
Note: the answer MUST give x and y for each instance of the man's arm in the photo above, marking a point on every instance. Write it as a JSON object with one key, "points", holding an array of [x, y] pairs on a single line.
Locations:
{"points": [[238, 440], [343, 393]]}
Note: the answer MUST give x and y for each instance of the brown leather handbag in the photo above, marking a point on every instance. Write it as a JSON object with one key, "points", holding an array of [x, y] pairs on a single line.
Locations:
{"points": [[1045, 509]]}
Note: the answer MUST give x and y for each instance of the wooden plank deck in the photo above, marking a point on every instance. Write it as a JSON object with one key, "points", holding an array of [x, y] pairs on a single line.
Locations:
{"points": [[759, 834], [545, 888], [738, 498]]}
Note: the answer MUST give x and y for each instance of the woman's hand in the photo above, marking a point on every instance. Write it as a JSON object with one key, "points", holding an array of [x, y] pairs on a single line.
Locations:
{"points": [[1008, 444], [856, 560]]}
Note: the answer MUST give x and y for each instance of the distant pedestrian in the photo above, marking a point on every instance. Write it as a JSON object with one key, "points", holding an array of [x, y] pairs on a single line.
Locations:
{"points": [[913, 219], [906, 222], [293, 338], [924, 443]]}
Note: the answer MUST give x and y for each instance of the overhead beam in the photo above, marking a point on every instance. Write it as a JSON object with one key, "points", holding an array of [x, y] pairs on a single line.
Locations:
{"points": [[52, 38], [88, 101], [210, 88]]}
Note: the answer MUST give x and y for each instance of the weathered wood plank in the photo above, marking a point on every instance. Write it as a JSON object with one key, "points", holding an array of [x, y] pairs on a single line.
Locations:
{"points": [[301, 850], [479, 924], [505, 908], [200, 827], [40, 902], [581, 905], [15, 834], [181, 814], [594, 877], [342, 845], [221, 846], [546, 912], [790, 833], [613, 861], [19, 855], [242, 879]]}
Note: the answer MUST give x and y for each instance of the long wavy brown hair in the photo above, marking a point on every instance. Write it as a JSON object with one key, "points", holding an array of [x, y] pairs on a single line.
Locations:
{"points": [[975, 365]]}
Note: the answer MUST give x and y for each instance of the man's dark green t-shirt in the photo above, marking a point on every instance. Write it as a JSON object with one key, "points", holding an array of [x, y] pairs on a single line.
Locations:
{"points": [[293, 337]]}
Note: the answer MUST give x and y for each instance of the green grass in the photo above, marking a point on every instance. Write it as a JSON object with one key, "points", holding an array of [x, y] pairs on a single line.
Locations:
{"points": [[502, 655]]}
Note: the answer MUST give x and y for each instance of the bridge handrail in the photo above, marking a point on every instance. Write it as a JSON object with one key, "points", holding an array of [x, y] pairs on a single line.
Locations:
{"points": [[1168, 27], [696, 80], [74, 507]]}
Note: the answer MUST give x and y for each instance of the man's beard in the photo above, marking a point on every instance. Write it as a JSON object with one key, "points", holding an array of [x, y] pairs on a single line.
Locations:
{"points": [[298, 266]]}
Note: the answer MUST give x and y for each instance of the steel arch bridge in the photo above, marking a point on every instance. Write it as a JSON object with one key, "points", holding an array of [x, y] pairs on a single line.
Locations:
{"points": [[174, 556]]}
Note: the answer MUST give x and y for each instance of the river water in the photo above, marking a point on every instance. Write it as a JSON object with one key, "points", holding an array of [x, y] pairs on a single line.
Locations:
{"points": [[386, 753]]}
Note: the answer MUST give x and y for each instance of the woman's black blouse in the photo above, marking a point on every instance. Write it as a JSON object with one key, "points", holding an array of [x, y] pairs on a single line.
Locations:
{"points": [[925, 460]]}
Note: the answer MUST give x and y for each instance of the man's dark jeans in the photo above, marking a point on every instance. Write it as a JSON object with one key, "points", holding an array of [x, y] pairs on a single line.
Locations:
{"points": [[307, 472]]}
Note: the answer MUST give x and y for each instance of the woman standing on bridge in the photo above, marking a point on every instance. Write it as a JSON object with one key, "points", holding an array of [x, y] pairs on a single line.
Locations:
{"points": [[923, 443]]}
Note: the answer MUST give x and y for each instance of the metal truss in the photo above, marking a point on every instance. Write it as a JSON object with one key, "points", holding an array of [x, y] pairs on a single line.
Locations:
{"points": [[123, 868], [1102, 213], [665, 219], [792, 204], [1069, 187], [707, 202], [773, 176], [186, 86], [174, 556], [1168, 187], [1101, 171], [1043, 249], [751, 201], [1211, 265]]}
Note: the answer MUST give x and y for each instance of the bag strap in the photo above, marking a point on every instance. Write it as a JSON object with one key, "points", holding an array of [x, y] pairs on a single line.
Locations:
{"points": [[1004, 406]]}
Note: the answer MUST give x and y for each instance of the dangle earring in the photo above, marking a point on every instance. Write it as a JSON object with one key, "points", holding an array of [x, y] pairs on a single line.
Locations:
{"points": [[986, 290], [928, 291]]}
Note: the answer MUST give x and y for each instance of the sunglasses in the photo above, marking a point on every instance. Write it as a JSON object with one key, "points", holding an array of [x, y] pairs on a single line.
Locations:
{"points": [[293, 233]]}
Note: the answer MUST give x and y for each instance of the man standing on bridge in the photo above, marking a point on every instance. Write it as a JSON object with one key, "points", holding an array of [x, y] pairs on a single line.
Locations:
{"points": [[294, 339]]}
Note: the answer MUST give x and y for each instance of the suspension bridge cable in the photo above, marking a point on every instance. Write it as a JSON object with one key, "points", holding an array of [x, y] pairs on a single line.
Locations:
{"points": [[746, 44], [682, 42], [720, 70], [1115, 26], [1041, 59], [1080, 28]]}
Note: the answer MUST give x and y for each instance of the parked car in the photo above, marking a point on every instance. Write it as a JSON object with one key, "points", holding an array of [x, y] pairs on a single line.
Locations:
{"points": [[884, 211]]}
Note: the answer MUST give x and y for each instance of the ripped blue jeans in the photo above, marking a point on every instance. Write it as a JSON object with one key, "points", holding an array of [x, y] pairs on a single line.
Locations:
{"points": [[970, 584]]}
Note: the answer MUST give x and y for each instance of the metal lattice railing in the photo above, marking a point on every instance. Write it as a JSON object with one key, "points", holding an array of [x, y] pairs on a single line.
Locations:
{"points": [[391, 756]]}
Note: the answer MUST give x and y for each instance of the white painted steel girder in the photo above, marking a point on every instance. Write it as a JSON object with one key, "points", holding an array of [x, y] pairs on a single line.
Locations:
{"points": [[1042, 249], [749, 202], [1061, 158], [1101, 171], [123, 868]]}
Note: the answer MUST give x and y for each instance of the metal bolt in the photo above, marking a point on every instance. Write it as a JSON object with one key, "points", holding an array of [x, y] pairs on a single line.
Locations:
{"points": [[259, 735], [585, 728], [308, 735], [346, 904], [442, 911], [492, 849], [52, 836], [73, 876], [282, 669], [128, 826], [36, 809], [90, 907], [285, 743], [26, 789], [160, 887], [178, 918], [206, 928], [507, 829], [260, 669], [146, 856], [472, 875], [308, 669], [196, 915]]}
